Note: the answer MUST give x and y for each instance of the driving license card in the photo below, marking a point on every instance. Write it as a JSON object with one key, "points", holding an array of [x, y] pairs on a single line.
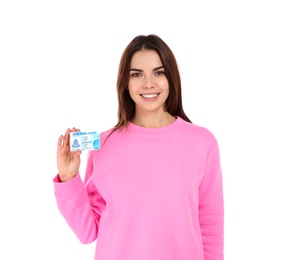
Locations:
{"points": [[84, 141]]}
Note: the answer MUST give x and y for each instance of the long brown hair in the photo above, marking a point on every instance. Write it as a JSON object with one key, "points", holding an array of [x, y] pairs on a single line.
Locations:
{"points": [[126, 106]]}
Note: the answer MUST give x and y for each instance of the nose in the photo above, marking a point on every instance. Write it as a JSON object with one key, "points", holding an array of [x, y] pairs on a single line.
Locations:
{"points": [[148, 82]]}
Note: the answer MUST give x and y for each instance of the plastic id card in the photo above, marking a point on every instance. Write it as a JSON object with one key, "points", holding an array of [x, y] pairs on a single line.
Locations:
{"points": [[84, 141]]}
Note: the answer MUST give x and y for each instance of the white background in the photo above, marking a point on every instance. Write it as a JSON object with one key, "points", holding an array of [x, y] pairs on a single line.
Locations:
{"points": [[58, 68]]}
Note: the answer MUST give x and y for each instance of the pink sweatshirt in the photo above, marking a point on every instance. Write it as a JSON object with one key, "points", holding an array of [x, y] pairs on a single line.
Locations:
{"points": [[149, 194]]}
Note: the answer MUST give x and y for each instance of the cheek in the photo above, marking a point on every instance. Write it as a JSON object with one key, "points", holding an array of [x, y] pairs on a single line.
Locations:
{"points": [[164, 84], [132, 85], [132, 92]]}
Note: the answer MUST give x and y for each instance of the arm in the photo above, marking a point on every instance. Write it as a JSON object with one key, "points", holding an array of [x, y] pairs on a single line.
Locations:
{"points": [[211, 207], [79, 204], [81, 207]]}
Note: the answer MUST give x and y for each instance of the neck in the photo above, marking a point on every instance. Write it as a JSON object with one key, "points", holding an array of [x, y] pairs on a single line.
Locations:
{"points": [[153, 120]]}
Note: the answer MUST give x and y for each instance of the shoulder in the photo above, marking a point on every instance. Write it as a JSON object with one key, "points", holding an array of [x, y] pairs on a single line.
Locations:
{"points": [[195, 131], [106, 133], [113, 134]]}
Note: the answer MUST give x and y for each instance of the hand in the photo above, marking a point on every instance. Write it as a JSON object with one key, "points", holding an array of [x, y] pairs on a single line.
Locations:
{"points": [[68, 162]]}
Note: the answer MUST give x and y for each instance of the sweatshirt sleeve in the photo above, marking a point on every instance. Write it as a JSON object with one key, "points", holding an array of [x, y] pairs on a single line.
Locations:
{"points": [[211, 207], [80, 204]]}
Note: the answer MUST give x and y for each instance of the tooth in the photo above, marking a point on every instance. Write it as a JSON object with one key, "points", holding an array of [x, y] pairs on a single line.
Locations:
{"points": [[150, 96]]}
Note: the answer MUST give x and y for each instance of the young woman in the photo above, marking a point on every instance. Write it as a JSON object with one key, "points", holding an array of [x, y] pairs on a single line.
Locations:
{"points": [[154, 189]]}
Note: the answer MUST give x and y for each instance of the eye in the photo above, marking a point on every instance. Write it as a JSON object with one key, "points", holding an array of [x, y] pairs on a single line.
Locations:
{"points": [[160, 72], [136, 74]]}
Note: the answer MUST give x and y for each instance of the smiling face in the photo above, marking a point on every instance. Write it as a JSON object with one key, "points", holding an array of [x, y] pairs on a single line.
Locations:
{"points": [[148, 85]]}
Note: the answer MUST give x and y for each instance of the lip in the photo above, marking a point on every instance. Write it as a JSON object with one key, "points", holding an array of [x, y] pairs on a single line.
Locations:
{"points": [[149, 96]]}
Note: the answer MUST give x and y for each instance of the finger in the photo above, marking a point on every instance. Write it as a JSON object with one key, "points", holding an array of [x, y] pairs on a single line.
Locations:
{"points": [[66, 137], [77, 153], [60, 141]]}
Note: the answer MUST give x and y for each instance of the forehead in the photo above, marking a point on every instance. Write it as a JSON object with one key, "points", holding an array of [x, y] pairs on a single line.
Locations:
{"points": [[145, 58]]}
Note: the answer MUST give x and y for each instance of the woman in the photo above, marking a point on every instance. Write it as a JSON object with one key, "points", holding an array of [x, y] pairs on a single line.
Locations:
{"points": [[154, 189]]}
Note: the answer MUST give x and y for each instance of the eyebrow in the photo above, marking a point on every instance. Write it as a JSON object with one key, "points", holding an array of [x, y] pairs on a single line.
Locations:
{"points": [[157, 68]]}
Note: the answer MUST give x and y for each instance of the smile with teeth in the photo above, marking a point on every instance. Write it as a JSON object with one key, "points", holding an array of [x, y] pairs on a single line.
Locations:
{"points": [[149, 95]]}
